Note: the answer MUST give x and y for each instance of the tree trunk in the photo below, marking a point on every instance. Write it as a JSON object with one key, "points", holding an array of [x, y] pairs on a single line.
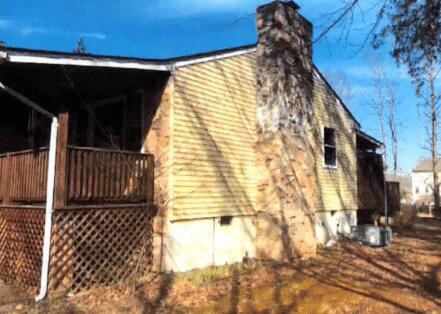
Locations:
{"points": [[393, 130], [434, 138]]}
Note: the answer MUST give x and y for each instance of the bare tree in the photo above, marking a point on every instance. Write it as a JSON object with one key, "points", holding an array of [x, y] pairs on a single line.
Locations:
{"points": [[384, 104], [346, 14], [392, 124], [81, 47], [415, 27]]}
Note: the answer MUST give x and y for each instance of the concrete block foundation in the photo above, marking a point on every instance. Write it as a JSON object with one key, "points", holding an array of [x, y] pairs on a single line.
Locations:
{"points": [[206, 242]]}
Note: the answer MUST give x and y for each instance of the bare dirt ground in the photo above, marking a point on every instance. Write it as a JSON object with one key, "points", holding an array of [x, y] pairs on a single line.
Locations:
{"points": [[348, 278]]}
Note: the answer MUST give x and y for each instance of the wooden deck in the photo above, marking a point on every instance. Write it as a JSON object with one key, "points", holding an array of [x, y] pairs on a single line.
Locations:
{"points": [[102, 222]]}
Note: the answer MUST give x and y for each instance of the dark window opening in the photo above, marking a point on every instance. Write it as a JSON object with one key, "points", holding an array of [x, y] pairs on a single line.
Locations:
{"points": [[226, 220], [330, 147]]}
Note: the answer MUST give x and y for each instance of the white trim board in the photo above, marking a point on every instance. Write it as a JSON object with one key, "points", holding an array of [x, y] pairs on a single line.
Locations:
{"points": [[15, 57], [90, 61], [225, 55]]}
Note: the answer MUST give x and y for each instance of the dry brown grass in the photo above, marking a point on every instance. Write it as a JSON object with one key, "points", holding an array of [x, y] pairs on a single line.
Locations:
{"points": [[348, 278]]}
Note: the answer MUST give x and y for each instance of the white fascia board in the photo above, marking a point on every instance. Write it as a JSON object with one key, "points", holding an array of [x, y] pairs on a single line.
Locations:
{"points": [[92, 62], [180, 64]]}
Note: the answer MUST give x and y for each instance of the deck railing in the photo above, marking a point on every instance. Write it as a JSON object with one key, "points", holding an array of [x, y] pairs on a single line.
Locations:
{"points": [[98, 175], [92, 176], [24, 176]]}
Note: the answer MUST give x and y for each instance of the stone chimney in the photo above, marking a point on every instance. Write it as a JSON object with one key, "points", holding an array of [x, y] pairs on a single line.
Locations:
{"points": [[286, 147], [284, 67]]}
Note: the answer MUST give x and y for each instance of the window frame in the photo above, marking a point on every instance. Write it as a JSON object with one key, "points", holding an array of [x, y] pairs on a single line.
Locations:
{"points": [[325, 165]]}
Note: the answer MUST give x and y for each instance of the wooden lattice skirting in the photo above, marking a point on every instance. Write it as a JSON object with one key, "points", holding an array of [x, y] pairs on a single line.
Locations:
{"points": [[104, 246], [21, 243], [89, 247]]}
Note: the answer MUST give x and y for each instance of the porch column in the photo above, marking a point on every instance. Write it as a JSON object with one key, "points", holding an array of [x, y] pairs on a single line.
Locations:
{"points": [[6, 181], [60, 195]]}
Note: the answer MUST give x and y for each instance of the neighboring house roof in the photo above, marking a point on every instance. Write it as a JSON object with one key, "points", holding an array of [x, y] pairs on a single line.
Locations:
{"points": [[22, 55], [425, 165]]}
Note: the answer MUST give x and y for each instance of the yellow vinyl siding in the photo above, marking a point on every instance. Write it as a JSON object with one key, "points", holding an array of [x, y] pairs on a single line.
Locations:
{"points": [[337, 187], [214, 133]]}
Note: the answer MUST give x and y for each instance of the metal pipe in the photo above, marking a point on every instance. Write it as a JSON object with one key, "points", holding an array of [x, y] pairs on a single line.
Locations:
{"points": [[49, 210], [385, 186], [50, 187]]}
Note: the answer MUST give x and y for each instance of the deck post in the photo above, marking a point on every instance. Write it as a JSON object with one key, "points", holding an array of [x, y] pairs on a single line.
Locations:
{"points": [[60, 199], [6, 182]]}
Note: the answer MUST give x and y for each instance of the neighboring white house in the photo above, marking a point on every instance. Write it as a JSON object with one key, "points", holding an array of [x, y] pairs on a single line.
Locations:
{"points": [[422, 181]]}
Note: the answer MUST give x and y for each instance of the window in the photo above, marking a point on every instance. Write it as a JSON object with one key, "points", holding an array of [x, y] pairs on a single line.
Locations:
{"points": [[330, 148]]}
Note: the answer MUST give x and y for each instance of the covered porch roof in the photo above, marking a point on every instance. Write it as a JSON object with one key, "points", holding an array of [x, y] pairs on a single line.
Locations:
{"points": [[67, 82], [365, 142]]}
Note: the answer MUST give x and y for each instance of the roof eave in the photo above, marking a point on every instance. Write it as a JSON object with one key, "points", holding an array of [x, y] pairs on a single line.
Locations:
{"points": [[15, 56], [369, 138]]}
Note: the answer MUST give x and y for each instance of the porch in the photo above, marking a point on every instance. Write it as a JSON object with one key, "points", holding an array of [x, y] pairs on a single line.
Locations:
{"points": [[103, 207]]}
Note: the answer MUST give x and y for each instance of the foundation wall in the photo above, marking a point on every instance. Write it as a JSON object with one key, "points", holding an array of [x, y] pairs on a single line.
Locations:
{"points": [[200, 243], [329, 224]]}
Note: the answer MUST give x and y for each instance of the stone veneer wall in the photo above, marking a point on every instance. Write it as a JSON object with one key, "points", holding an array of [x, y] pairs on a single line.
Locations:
{"points": [[157, 142], [286, 146]]}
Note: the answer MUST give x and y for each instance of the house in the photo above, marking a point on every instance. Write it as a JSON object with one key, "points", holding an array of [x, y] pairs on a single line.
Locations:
{"points": [[280, 189], [255, 155], [422, 181]]}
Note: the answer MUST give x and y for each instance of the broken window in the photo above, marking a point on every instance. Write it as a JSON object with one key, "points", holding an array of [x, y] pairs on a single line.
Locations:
{"points": [[330, 148]]}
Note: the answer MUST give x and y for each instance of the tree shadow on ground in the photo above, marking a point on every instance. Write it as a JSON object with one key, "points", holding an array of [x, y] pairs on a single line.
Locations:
{"points": [[155, 305], [412, 264], [404, 277]]}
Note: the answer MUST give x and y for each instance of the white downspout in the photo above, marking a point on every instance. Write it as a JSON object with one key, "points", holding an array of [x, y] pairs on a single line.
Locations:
{"points": [[50, 186], [49, 209]]}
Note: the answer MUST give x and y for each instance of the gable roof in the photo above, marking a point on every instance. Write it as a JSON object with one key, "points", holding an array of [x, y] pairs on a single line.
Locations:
{"points": [[23, 55], [425, 165]]}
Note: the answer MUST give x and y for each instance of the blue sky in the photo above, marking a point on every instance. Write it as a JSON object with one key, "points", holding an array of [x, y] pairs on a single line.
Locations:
{"points": [[166, 28]]}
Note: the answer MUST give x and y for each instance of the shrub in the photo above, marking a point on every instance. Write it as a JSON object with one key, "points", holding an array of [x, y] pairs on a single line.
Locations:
{"points": [[405, 218]]}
